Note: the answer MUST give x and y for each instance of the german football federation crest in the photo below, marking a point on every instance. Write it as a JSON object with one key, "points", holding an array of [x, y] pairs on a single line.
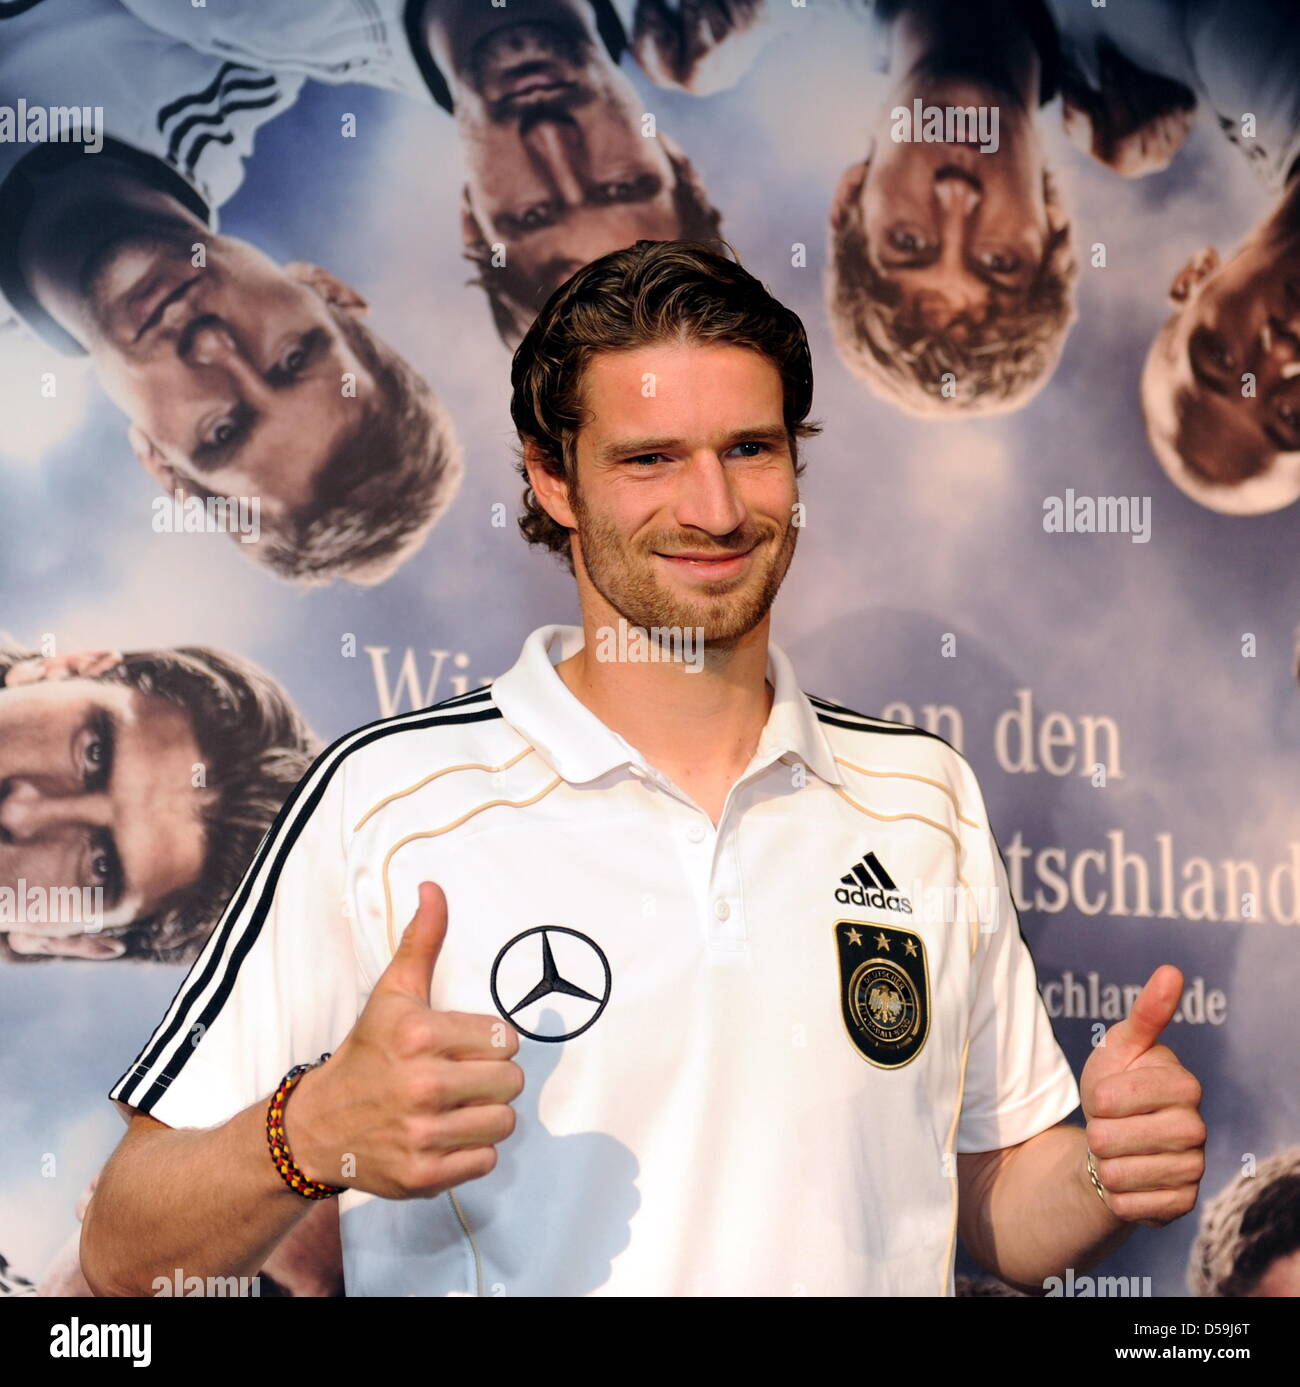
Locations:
{"points": [[884, 990]]}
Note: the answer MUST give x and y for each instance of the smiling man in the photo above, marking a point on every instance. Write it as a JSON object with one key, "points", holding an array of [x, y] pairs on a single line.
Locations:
{"points": [[241, 377], [749, 957], [133, 790]]}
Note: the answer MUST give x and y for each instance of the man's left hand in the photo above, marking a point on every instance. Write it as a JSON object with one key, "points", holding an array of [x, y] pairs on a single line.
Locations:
{"points": [[1143, 1112]]}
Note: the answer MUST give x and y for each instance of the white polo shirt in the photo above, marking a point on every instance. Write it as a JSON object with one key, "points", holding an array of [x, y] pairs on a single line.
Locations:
{"points": [[750, 1051]]}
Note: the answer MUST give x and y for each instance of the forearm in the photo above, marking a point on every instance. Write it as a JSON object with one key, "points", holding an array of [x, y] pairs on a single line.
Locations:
{"points": [[1040, 1213], [208, 1201]]}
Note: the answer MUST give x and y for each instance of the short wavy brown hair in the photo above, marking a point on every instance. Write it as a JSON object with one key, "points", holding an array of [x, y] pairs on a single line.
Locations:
{"points": [[1002, 365], [649, 293], [255, 747]]}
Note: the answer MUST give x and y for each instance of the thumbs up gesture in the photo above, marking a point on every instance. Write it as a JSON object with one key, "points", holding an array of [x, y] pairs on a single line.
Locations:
{"points": [[1143, 1112], [414, 1100]]}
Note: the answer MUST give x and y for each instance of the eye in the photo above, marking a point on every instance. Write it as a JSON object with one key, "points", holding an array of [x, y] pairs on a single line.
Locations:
{"points": [[647, 459], [221, 433], [101, 867], [94, 752], [293, 361], [534, 217], [909, 239], [1000, 262], [754, 443]]}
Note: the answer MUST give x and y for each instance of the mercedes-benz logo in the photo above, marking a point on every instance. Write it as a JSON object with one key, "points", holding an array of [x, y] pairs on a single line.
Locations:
{"points": [[583, 959]]}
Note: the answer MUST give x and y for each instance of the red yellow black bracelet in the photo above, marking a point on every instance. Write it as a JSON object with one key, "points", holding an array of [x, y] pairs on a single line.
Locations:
{"points": [[279, 1144]]}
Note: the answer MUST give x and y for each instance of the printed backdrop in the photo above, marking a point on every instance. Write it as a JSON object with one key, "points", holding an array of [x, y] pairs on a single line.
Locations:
{"points": [[1045, 518]]}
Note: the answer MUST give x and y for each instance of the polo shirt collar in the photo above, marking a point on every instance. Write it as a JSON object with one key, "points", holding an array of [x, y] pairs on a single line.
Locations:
{"points": [[573, 740]]}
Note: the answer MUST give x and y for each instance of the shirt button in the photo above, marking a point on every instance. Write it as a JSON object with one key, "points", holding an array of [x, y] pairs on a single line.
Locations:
{"points": [[721, 909], [695, 833]]}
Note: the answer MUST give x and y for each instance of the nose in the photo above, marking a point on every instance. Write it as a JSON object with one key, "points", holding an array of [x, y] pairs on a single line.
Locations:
{"points": [[1279, 347], [27, 813], [708, 500], [957, 199], [211, 343], [953, 296], [552, 146]]}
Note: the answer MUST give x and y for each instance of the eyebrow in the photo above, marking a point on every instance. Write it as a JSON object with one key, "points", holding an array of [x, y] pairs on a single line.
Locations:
{"points": [[632, 447], [108, 725]]}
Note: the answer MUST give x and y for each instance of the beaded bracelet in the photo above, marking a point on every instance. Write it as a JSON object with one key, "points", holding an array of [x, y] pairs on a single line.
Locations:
{"points": [[1096, 1182], [279, 1143]]}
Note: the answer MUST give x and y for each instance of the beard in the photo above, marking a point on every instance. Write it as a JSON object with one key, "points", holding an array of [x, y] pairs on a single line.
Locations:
{"points": [[625, 577]]}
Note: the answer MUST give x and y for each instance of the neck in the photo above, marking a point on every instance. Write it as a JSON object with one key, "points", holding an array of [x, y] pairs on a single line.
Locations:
{"points": [[981, 43], [697, 722]]}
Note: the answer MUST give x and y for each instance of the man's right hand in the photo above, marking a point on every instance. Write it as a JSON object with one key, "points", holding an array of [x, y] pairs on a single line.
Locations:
{"points": [[414, 1100]]}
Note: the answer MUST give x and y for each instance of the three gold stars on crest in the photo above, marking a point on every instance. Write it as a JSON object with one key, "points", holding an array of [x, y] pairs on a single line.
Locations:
{"points": [[881, 942]]}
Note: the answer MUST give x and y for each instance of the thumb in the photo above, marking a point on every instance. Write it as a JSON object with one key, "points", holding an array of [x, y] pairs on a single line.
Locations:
{"points": [[1152, 1012], [410, 970]]}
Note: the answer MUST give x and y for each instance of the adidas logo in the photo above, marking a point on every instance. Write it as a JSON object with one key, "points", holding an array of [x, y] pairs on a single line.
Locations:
{"points": [[869, 884]]}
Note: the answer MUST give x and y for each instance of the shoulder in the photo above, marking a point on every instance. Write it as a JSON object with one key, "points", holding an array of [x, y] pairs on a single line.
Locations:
{"points": [[881, 746], [869, 730], [466, 727]]}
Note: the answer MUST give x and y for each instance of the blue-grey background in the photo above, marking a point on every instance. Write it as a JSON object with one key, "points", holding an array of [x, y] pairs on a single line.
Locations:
{"points": [[914, 530]]}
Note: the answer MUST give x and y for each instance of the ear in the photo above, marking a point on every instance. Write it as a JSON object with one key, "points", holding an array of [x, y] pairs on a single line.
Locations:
{"points": [[97, 946], [1198, 269], [328, 286], [152, 460], [848, 192], [551, 491]]}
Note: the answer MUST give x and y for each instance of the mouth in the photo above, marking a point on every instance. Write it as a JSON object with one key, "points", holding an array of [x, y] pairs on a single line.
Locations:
{"points": [[957, 173], [708, 564], [148, 309]]}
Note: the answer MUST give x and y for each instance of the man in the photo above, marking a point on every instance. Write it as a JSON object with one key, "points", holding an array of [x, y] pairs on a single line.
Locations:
{"points": [[951, 271], [134, 789], [241, 377], [689, 912], [560, 168], [1220, 387]]}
